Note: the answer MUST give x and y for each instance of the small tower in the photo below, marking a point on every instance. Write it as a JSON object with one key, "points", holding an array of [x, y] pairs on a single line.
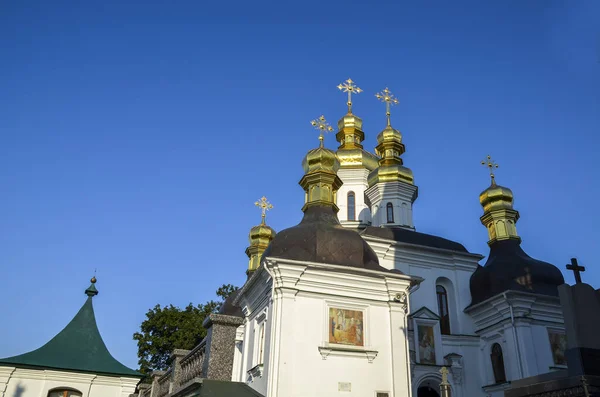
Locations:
{"points": [[508, 267], [499, 217], [391, 191], [260, 236], [355, 166], [320, 181]]}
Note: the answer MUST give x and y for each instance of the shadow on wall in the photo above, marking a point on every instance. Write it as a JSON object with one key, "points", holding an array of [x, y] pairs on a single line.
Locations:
{"points": [[19, 391]]}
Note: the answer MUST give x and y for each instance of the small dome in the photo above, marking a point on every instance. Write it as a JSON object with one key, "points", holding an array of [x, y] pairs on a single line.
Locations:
{"points": [[496, 197], [260, 233], [509, 268], [350, 121], [389, 134], [320, 159], [320, 238], [391, 173]]}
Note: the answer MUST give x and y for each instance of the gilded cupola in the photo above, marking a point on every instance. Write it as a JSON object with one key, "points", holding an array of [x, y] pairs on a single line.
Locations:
{"points": [[390, 148], [350, 135], [320, 181], [260, 236], [508, 267], [319, 237], [499, 216]]}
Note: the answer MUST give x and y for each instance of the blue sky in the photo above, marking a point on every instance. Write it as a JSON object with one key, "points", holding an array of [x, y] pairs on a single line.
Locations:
{"points": [[136, 136]]}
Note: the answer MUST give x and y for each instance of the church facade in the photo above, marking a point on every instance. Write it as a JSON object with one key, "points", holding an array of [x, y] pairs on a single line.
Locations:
{"points": [[354, 301], [487, 324]]}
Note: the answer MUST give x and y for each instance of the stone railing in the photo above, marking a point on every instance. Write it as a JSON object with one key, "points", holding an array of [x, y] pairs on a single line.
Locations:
{"points": [[164, 383], [212, 358], [192, 364]]}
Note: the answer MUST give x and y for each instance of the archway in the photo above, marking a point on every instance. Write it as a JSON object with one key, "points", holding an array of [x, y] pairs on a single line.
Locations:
{"points": [[426, 391], [429, 386]]}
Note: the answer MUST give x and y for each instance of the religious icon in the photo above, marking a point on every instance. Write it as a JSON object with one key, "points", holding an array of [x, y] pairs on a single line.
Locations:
{"points": [[346, 327], [426, 344], [558, 345]]}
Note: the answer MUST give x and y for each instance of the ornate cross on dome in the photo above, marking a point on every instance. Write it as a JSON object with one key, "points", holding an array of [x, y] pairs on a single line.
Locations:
{"points": [[574, 266], [321, 125], [265, 206], [349, 87], [388, 98], [488, 162]]}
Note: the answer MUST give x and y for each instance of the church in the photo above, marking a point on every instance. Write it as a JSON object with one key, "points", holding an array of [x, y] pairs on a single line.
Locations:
{"points": [[354, 301]]}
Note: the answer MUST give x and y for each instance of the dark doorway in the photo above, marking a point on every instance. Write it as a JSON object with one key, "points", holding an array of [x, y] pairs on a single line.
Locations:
{"points": [[427, 391]]}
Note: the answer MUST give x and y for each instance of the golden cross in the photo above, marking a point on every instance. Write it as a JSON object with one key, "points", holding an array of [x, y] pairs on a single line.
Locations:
{"points": [[488, 162], [264, 205], [349, 87], [321, 125], [444, 372], [389, 99]]}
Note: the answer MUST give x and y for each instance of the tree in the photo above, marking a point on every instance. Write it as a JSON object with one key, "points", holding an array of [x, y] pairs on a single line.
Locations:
{"points": [[168, 328]]}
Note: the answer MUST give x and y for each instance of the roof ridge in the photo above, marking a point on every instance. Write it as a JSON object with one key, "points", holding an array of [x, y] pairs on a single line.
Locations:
{"points": [[77, 347]]}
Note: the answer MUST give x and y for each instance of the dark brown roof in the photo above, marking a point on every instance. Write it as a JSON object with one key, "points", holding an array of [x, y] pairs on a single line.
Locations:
{"points": [[411, 237], [320, 238], [509, 268], [228, 308]]}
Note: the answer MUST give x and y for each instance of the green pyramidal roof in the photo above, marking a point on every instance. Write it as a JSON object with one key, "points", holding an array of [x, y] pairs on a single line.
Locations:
{"points": [[78, 347]]}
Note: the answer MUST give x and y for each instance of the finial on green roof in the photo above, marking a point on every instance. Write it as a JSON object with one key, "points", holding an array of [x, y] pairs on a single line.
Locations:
{"points": [[92, 291]]}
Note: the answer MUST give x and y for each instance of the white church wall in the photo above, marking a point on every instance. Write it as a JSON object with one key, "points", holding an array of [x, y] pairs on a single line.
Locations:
{"points": [[454, 268], [38, 383], [257, 308], [519, 323], [300, 347], [355, 180], [401, 195]]}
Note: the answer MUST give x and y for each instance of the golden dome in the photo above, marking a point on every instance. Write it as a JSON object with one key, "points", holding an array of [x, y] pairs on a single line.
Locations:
{"points": [[261, 235], [496, 197], [390, 169], [352, 158], [350, 152], [389, 134], [391, 173], [350, 120], [499, 217], [320, 159]]}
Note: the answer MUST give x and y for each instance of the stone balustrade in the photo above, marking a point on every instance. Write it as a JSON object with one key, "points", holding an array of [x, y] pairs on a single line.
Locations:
{"points": [[211, 359], [192, 364], [164, 383]]}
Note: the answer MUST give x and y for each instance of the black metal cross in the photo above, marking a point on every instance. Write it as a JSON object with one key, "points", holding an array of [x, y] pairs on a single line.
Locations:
{"points": [[576, 270]]}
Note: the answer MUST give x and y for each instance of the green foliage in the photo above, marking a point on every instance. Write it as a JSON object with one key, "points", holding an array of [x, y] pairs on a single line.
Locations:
{"points": [[168, 328]]}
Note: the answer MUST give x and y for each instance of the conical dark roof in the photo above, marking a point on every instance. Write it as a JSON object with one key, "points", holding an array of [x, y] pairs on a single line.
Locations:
{"points": [[78, 347]]}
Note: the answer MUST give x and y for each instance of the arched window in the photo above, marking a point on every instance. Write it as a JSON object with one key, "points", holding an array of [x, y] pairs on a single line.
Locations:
{"points": [[390, 213], [442, 300], [351, 206], [64, 393], [498, 363]]}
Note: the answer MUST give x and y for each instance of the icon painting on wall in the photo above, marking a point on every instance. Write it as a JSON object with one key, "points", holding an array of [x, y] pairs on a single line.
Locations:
{"points": [[346, 327]]}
